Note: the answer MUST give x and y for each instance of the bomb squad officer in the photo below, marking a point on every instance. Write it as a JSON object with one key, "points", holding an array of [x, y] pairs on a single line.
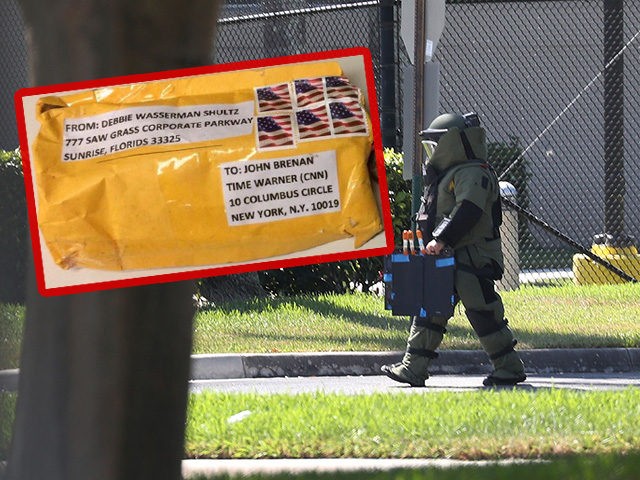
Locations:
{"points": [[461, 211]]}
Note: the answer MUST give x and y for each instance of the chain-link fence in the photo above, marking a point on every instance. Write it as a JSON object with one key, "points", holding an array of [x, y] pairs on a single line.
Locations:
{"points": [[557, 82], [13, 69], [548, 81], [272, 28]]}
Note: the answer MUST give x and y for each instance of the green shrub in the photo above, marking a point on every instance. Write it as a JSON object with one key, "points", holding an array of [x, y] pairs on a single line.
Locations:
{"points": [[11, 328], [7, 416], [348, 275], [318, 278], [399, 193], [13, 229]]}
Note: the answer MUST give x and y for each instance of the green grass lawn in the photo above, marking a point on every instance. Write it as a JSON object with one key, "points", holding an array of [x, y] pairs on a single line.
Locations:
{"points": [[467, 425], [7, 413], [542, 317], [460, 425], [542, 424]]}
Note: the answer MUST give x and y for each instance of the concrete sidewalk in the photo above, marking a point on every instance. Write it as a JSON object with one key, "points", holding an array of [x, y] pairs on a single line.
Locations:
{"points": [[300, 466], [458, 362]]}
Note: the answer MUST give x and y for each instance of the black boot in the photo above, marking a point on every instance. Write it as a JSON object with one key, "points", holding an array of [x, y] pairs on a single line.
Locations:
{"points": [[508, 368], [424, 338]]}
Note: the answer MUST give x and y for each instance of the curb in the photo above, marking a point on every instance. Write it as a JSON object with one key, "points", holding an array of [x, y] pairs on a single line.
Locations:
{"points": [[452, 362], [300, 466]]}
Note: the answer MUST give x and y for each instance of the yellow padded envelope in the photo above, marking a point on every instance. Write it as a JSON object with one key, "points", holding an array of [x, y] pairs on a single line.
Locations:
{"points": [[204, 170]]}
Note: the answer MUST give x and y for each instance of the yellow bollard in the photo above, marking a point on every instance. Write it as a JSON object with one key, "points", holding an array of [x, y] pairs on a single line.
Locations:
{"points": [[588, 272]]}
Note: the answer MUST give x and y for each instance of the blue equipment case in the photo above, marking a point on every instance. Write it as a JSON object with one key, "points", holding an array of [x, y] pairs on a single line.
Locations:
{"points": [[420, 285]]}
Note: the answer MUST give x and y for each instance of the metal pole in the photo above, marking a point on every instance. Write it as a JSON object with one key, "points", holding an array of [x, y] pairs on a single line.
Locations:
{"points": [[388, 73], [419, 55], [614, 182]]}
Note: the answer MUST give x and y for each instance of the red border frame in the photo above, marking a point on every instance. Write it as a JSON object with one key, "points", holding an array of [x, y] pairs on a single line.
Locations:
{"points": [[216, 271]]}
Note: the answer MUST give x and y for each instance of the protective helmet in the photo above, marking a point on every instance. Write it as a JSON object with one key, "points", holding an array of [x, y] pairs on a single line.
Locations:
{"points": [[442, 123]]}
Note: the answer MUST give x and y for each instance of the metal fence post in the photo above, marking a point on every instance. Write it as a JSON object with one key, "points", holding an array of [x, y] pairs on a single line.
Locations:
{"points": [[419, 55], [614, 181], [388, 74]]}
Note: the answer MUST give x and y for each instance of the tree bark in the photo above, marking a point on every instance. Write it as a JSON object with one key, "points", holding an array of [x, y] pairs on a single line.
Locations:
{"points": [[103, 382]]}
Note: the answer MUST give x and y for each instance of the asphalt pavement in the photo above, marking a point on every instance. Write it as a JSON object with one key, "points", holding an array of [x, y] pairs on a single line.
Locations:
{"points": [[353, 385]]}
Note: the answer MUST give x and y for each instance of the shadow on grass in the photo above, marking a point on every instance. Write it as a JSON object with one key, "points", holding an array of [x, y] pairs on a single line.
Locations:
{"points": [[376, 342], [550, 339], [321, 305], [522, 387], [458, 330]]}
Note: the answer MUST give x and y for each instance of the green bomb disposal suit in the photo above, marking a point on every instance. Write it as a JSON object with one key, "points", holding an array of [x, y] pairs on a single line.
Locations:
{"points": [[467, 217]]}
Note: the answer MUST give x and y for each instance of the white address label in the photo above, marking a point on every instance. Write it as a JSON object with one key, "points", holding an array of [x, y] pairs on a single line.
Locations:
{"points": [[258, 191], [127, 128]]}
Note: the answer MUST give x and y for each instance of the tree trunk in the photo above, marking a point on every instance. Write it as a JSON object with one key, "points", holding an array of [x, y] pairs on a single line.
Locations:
{"points": [[103, 384]]}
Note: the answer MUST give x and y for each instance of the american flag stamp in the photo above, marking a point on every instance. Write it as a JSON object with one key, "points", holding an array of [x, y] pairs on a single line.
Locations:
{"points": [[275, 131], [309, 91], [341, 88], [313, 123], [308, 109], [348, 118], [274, 98]]}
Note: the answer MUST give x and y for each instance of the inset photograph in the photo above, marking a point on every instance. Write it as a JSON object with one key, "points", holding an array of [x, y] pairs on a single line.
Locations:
{"points": [[191, 174]]}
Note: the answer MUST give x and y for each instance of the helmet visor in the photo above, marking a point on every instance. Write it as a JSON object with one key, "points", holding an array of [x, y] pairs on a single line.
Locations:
{"points": [[429, 147]]}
